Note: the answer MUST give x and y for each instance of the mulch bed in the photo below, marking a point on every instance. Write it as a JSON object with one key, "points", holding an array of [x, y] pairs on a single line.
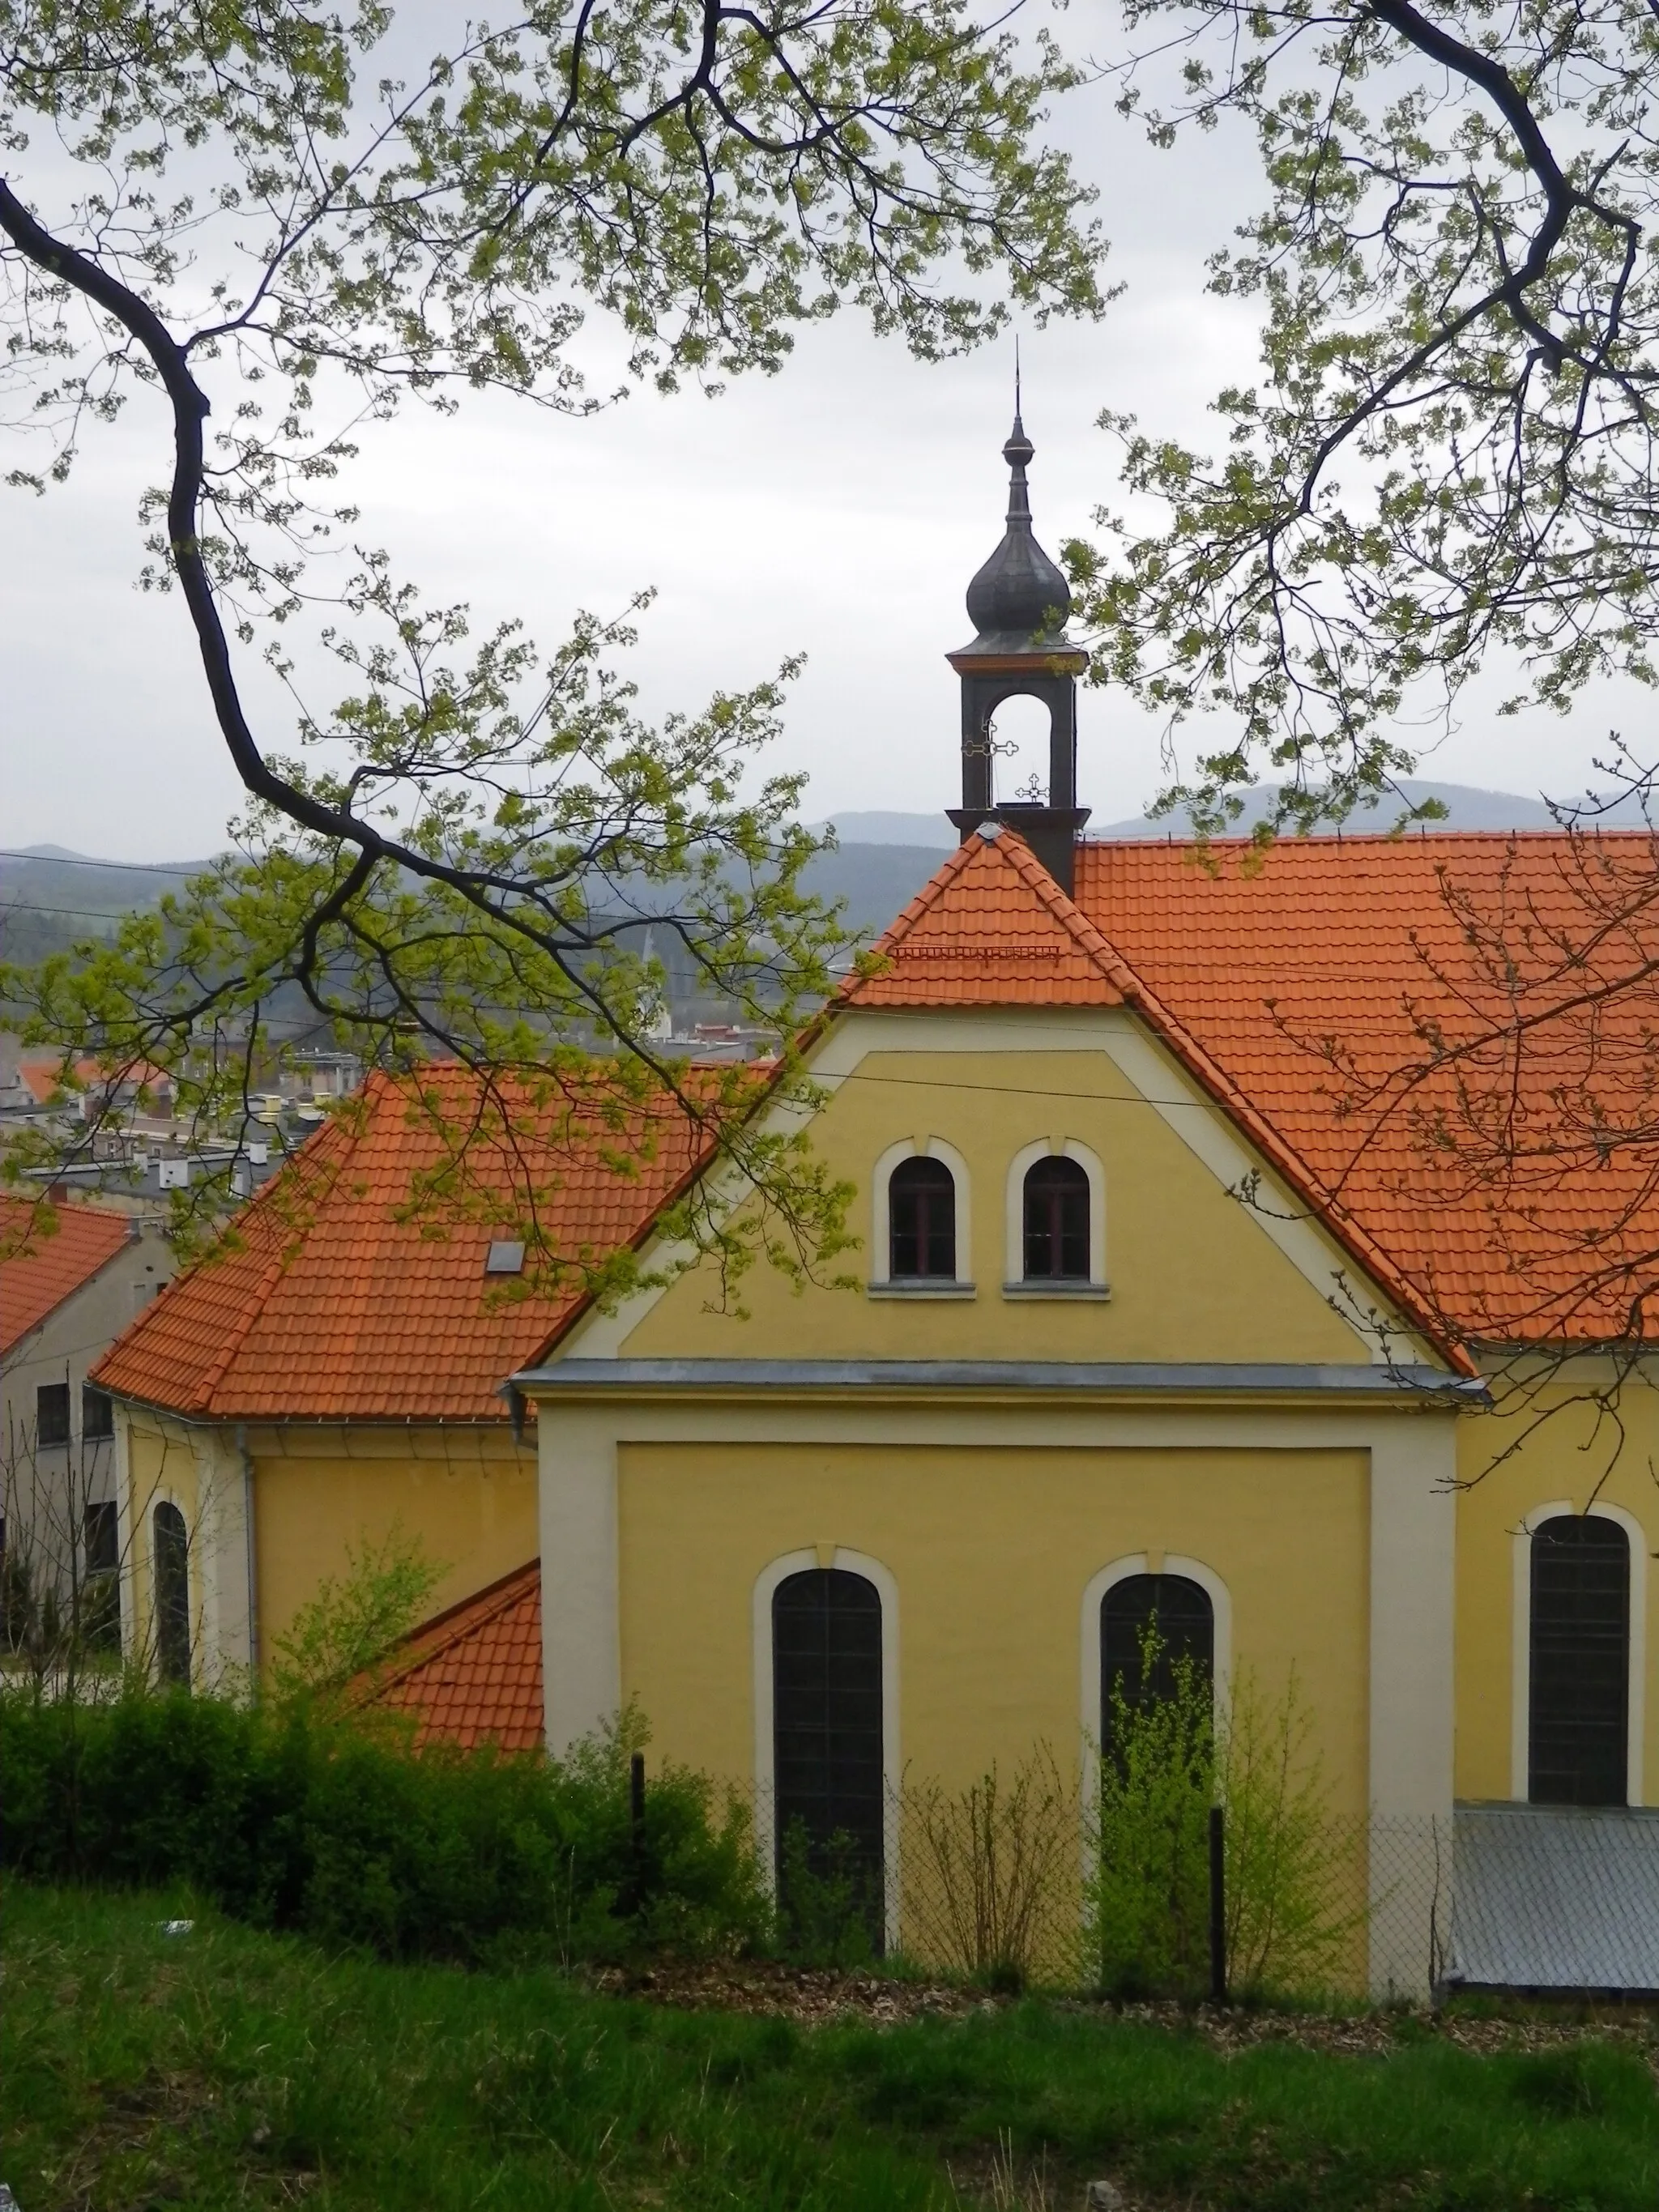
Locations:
{"points": [[815, 1997]]}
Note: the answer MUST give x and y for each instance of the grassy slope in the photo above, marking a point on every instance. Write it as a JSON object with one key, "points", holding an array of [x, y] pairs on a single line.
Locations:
{"points": [[231, 2068]]}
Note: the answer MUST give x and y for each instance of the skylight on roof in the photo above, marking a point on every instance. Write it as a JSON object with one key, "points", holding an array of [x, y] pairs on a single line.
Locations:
{"points": [[504, 1257]]}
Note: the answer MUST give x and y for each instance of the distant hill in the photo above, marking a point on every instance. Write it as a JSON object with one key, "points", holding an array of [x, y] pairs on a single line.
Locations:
{"points": [[1467, 807]]}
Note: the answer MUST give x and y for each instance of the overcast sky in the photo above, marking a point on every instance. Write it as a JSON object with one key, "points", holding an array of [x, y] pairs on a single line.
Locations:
{"points": [[837, 509]]}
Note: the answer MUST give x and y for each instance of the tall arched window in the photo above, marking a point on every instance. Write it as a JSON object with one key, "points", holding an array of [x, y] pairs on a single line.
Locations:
{"points": [[921, 1220], [1579, 1664], [1180, 1611], [827, 1735], [1057, 1221], [171, 1544]]}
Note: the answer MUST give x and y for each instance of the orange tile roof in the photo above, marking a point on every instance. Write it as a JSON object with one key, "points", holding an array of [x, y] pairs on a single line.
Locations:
{"points": [[47, 1253], [44, 1078], [992, 928], [1346, 1002], [328, 1303], [473, 1675]]}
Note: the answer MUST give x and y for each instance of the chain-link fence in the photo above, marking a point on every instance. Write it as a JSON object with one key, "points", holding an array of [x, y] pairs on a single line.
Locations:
{"points": [[1011, 1878]]}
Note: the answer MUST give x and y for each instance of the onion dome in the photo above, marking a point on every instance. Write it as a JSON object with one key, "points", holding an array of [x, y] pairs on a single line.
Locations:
{"points": [[1019, 599]]}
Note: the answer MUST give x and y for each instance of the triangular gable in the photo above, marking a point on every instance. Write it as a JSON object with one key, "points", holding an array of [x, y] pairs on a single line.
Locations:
{"points": [[992, 929]]}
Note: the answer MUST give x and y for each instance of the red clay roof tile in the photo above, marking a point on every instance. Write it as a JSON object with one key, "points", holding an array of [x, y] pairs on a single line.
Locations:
{"points": [[473, 1675], [47, 1253], [331, 1304]]}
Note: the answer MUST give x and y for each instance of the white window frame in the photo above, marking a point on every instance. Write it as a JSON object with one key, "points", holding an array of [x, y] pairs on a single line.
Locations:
{"points": [[881, 1284], [1014, 1284], [1094, 1593], [892, 1764], [1521, 1655]]}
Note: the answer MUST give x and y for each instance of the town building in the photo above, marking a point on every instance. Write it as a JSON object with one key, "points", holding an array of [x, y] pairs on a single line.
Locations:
{"points": [[72, 1278], [1175, 1305]]}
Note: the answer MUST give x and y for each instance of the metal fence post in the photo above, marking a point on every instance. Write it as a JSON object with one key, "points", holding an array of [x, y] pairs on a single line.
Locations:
{"points": [[636, 1824], [1218, 1907]]}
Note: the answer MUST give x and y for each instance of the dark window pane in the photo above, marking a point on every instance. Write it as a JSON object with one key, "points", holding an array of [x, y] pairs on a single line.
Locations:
{"points": [[826, 1731], [97, 1415], [1577, 1750], [51, 1413], [922, 1214], [100, 1584], [1185, 1622], [172, 1594], [1057, 1221], [101, 1540]]}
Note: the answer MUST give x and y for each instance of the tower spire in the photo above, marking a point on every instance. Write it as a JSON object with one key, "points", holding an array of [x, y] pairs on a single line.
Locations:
{"points": [[1019, 604]]}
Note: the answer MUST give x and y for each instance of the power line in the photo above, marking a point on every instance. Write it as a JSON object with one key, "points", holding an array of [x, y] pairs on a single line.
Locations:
{"points": [[121, 867]]}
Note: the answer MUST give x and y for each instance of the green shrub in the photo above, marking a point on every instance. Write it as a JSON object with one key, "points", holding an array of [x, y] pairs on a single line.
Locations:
{"points": [[1291, 1869], [829, 1901], [288, 1817], [1148, 1902]]}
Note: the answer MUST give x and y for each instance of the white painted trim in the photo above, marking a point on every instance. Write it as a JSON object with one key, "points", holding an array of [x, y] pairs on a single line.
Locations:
{"points": [[581, 1611], [1094, 1593], [931, 1148], [1013, 1265], [1153, 1071], [886, 1588], [1520, 1649]]}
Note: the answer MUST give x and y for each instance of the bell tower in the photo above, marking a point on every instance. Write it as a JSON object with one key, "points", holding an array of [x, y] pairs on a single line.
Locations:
{"points": [[1019, 604]]}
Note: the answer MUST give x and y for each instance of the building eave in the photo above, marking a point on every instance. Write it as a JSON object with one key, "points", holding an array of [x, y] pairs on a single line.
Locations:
{"points": [[1051, 1380]]}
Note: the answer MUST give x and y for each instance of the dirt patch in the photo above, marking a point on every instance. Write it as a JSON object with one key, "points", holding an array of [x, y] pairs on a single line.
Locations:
{"points": [[814, 1997]]}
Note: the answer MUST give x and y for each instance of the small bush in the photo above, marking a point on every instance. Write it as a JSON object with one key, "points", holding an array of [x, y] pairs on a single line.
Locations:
{"points": [[990, 1874], [290, 1817], [1290, 1867], [829, 1901]]}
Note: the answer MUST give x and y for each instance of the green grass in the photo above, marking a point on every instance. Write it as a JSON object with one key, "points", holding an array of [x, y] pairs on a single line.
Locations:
{"points": [[231, 2068]]}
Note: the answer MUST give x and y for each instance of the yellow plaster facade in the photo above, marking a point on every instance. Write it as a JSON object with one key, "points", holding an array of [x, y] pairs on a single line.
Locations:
{"points": [[991, 1550], [317, 1491], [1191, 1275]]}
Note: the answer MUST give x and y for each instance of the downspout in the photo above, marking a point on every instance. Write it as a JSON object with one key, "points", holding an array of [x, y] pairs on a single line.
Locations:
{"points": [[252, 1583]]}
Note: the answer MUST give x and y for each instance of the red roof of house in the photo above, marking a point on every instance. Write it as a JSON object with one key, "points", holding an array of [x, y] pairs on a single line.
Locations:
{"points": [[1322, 998], [1348, 1001], [44, 1078], [473, 1675], [47, 1253], [330, 1303]]}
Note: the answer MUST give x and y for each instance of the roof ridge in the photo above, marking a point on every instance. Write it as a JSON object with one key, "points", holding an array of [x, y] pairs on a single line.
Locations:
{"points": [[263, 1202], [907, 916], [458, 1621]]}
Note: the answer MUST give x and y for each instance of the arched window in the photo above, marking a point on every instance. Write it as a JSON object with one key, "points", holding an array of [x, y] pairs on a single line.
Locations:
{"points": [[921, 1220], [1057, 1221], [172, 1544], [1180, 1612], [827, 1736], [1578, 1714]]}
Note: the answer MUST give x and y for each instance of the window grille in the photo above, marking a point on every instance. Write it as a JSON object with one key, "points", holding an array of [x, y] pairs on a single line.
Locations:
{"points": [[921, 1215], [51, 1414], [97, 1415], [1179, 1610], [172, 1594], [827, 1735], [1579, 1669], [1056, 1221], [100, 1594]]}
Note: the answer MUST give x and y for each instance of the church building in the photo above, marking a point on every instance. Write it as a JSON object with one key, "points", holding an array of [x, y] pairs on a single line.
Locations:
{"points": [[1162, 1317]]}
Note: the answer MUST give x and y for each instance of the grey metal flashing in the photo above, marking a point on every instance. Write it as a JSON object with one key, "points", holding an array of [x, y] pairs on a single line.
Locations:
{"points": [[1005, 1378]]}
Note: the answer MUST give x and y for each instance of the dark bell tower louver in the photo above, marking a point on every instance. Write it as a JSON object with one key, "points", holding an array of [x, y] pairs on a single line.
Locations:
{"points": [[1019, 604]]}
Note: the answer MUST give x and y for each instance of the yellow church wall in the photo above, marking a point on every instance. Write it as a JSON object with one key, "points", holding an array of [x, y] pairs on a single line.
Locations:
{"points": [[161, 1465], [469, 1494], [992, 1551], [1561, 1460], [1194, 1275]]}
